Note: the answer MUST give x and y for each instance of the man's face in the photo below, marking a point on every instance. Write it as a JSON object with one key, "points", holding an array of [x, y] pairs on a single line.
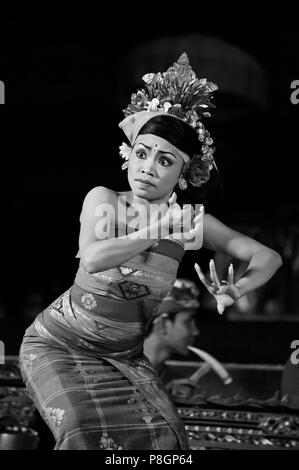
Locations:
{"points": [[181, 332]]}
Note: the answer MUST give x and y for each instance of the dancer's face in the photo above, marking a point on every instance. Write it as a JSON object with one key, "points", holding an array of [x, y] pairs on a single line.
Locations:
{"points": [[153, 169]]}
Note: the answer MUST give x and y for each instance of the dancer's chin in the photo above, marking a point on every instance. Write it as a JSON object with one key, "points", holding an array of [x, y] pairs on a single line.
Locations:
{"points": [[143, 191]]}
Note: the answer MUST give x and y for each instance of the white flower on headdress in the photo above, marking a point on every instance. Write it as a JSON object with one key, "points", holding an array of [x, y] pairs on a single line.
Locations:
{"points": [[147, 78], [209, 141], [153, 105], [167, 106], [200, 133], [125, 152]]}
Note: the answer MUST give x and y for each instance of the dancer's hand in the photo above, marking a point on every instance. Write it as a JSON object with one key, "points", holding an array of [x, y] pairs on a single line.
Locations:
{"points": [[178, 220], [225, 292], [194, 237], [182, 224]]}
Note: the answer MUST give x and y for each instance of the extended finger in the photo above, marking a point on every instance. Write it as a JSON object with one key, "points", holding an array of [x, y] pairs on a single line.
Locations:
{"points": [[202, 277], [220, 308], [200, 213], [172, 199], [198, 218], [230, 277], [195, 229], [213, 273], [197, 222]]}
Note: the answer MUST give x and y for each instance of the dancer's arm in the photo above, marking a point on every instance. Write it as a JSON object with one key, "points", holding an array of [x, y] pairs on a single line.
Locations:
{"points": [[262, 261], [98, 251]]}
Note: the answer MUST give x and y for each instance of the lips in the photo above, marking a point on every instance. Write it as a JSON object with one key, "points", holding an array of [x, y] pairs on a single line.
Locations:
{"points": [[144, 181]]}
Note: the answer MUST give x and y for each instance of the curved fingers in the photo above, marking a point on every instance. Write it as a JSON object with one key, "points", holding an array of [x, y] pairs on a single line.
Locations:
{"points": [[202, 277], [213, 273], [172, 199], [230, 277]]}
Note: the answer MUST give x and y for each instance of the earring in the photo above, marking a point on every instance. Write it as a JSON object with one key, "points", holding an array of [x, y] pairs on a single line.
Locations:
{"points": [[182, 183]]}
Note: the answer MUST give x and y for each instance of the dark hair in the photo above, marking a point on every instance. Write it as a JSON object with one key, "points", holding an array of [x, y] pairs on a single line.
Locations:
{"points": [[184, 138], [175, 131], [150, 327]]}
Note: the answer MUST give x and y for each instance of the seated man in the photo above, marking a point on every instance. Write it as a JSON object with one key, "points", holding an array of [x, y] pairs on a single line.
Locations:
{"points": [[174, 327]]}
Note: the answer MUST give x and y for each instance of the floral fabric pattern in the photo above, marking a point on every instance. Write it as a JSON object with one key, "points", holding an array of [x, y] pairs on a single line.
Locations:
{"points": [[29, 359], [107, 443], [88, 301], [142, 407], [54, 415]]}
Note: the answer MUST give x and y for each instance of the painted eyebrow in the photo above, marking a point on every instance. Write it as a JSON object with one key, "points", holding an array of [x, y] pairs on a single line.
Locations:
{"points": [[161, 151]]}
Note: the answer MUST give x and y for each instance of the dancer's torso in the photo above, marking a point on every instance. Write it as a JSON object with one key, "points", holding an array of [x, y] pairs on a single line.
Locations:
{"points": [[108, 312]]}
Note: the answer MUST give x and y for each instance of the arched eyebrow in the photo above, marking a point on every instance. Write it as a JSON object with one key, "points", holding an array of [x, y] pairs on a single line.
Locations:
{"points": [[161, 151]]}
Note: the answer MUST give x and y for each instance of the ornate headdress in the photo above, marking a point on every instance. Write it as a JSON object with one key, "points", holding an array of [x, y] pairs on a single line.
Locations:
{"points": [[183, 297], [177, 93]]}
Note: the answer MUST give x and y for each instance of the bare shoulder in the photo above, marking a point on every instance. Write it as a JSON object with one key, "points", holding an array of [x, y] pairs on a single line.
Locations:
{"points": [[100, 194], [96, 196]]}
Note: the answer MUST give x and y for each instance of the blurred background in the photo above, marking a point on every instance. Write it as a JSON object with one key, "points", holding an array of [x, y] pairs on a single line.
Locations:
{"points": [[85, 65]]}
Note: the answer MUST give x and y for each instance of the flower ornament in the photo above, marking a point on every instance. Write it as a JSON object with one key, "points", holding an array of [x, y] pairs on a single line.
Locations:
{"points": [[125, 152], [153, 105], [54, 415], [180, 93], [167, 106], [148, 78], [88, 301]]}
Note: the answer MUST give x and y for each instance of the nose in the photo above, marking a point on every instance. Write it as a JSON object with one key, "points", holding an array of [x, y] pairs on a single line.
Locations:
{"points": [[147, 171], [148, 167]]}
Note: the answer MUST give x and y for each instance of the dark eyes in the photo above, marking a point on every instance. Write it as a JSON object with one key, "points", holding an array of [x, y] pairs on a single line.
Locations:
{"points": [[163, 160], [140, 154], [166, 161]]}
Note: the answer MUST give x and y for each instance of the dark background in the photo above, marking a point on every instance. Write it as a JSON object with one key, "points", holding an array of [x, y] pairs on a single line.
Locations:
{"points": [[73, 65]]}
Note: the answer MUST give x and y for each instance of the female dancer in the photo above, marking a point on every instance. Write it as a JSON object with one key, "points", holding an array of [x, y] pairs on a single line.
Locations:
{"points": [[82, 358]]}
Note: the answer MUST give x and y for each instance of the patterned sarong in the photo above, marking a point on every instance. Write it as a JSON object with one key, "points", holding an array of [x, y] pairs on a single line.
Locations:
{"points": [[83, 364]]}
